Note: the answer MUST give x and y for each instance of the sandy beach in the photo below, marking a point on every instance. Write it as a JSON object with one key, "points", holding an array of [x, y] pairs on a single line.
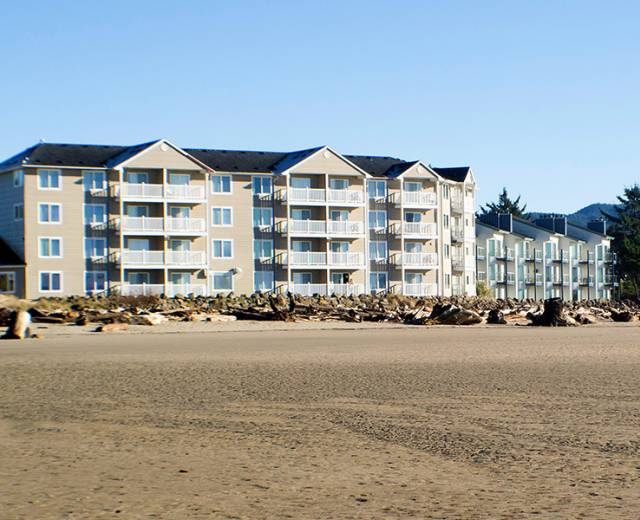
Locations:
{"points": [[252, 421]]}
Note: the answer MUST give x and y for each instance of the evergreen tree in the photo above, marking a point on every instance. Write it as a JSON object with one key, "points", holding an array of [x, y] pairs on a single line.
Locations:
{"points": [[505, 205], [625, 230]]}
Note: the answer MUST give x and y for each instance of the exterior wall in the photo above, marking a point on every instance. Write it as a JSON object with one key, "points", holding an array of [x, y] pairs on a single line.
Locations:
{"points": [[18, 276], [11, 230]]}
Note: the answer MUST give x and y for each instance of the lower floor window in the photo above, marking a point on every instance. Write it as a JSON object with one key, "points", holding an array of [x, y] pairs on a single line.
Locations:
{"points": [[95, 281], [262, 281], [222, 281], [50, 282], [378, 281], [7, 282]]}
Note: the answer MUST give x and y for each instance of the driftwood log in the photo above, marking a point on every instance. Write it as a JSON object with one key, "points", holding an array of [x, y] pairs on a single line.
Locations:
{"points": [[18, 328], [552, 316]]}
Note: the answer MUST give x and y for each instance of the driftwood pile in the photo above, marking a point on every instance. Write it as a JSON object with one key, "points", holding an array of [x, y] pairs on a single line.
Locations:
{"points": [[117, 312]]}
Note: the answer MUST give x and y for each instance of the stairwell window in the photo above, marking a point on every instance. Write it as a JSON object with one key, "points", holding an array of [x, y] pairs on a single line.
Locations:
{"points": [[49, 247], [262, 217], [263, 281], [261, 185], [95, 281], [49, 213], [262, 249], [221, 217], [377, 250], [377, 189], [94, 180], [50, 281], [222, 249], [377, 281], [49, 180], [7, 282], [95, 247], [95, 214], [377, 219], [18, 179], [221, 184], [18, 212]]}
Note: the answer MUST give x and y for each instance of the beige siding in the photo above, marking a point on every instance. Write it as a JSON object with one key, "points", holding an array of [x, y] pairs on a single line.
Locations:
{"points": [[326, 161], [12, 231], [157, 157]]}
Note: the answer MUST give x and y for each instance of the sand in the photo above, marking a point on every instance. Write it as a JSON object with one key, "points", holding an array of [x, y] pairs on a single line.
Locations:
{"points": [[266, 421]]}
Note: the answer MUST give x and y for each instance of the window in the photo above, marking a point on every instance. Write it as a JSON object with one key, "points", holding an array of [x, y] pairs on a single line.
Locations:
{"points": [[377, 250], [49, 180], [445, 191], [221, 184], [377, 189], [413, 247], [377, 219], [179, 211], [412, 186], [95, 214], [261, 185], [50, 247], [49, 213], [262, 248], [262, 281], [300, 182], [447, 250], [412, 216], [222, 281], [300, 214], [447, 280], [18, 179], [137, 177], [94, 180], [95, 281], [179, 179], [7, 282], [378, 281], [338, 184], [339, 215], [95, 247], [51, 281], [492, 248], [262, 217], [221, 216], [222, 249], [445, 219], [301, 246], [18, 212]]}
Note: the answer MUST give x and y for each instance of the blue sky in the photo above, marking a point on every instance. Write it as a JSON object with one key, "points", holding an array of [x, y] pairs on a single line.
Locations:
{"points": [[541, 97]]}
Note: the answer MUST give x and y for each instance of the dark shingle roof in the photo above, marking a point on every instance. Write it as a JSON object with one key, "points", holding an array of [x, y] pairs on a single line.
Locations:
{"points": [[457, 174], [8, 256], [105, 156]]}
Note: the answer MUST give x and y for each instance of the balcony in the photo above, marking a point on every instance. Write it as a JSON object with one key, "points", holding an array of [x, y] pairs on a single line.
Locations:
{"points": [[145, 258], [346, 289], [506, 254], [535, 257], [345, 197], [321, 227], [142, 225], [415, 199], [346, 259], [320, 196], [309, 289], [159, 192], [144, 289], [423, 230], [420, 289], [457, 263], [481, 253], [185, 226], [173, 290], [457, 234], [185, 258], [531, 279], [457, 203], [417, 260], [345, 227], [307, 259]]}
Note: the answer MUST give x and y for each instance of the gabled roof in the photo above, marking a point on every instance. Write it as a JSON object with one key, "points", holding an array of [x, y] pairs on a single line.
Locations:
{"points": [[495, 228], [374, 165], [237, 160], [456, 174], [8, 256], [293, 158], [127, 153], [59, 154]]}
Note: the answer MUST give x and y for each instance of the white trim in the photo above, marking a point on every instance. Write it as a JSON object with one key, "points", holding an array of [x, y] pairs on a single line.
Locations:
{"points": [[40, 289], [225, 193], [40, 238], [45, 170], [157, 143], [222, 248], [430, 170], [322, 150], [50, 223], [84, 280], [213, 289], [16, 206], [84, 246], [230, 208], [84, 218], [87, 188], [11, 277], [253, 248]]}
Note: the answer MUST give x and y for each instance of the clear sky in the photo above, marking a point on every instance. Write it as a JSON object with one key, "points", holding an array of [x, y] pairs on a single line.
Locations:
{"points": [[541, 97]]}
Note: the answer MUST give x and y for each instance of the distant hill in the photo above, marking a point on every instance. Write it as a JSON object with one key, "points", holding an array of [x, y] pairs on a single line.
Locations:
{"points": [[584, 215]]}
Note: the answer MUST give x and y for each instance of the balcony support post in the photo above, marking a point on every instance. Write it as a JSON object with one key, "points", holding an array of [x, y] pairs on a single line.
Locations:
{"points": [[121, 221], [164, 236]]}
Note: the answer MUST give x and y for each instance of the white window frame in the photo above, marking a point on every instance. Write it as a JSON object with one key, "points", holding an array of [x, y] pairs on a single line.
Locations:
{"points": [[261, 210], [61, 255], [84, 215], [255, 285], [101, 239], [61, 275], [222, 240], [230, 192], [261, 178], [377, 182], [386, 280], [84, 281], [386, 218], [17, 218], [376, 243], [212, 276], [11, 281], [222, 208], [48, 187], [18, 178], [86, 186], [253, 250], [49, 222]]}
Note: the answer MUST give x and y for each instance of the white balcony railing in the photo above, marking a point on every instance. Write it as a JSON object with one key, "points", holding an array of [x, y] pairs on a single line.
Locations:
{"points": [[308, 227], [457, 203], [184, 191], [142, 224], [185, 290], [420, 259], [423, 229], [346, 289], [144, 289], [457, 262], [420, 289], [457, 233], [144, 257], [344, 227], [186, 258], [185, 225], [308, 258], [346, 259], [314, 195], [309, 289], [141, 191], [354, 197], [419, 199]]}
